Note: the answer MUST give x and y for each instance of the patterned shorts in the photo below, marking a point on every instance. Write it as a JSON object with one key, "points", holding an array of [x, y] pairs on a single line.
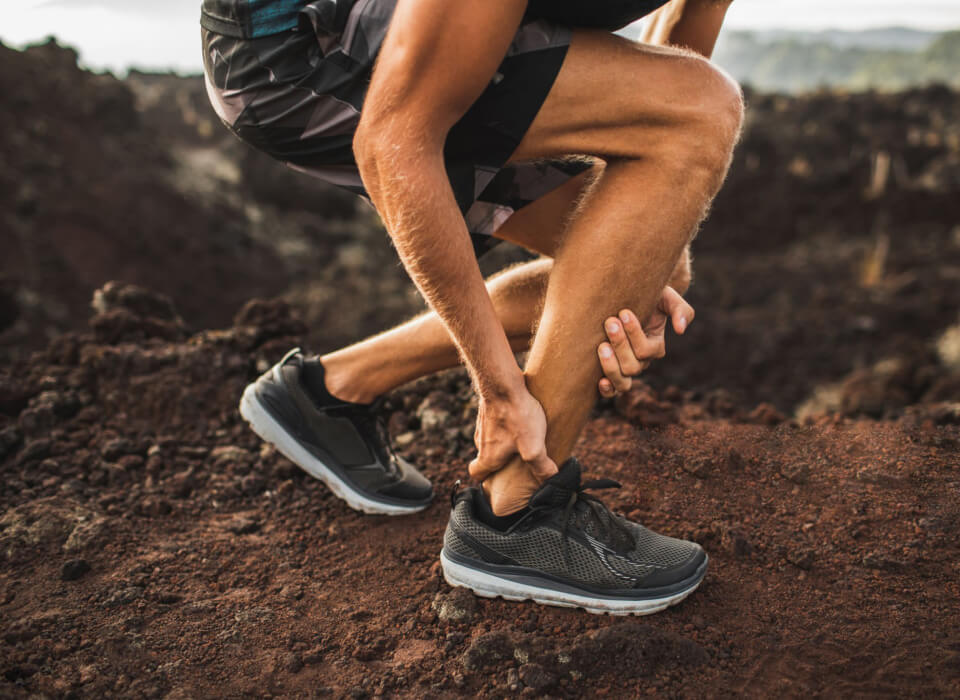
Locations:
{"points": [[297, 95]]}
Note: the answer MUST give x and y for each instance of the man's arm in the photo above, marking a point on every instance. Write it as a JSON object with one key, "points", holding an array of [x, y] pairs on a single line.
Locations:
{"points": [[694, 24], [437, 58]]}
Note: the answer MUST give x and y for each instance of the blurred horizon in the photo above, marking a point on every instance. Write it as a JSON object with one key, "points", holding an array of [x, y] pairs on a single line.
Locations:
{"points": [[160, 38]]}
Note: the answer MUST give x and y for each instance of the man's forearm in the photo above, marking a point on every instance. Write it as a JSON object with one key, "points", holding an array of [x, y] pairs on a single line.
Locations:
{"points": [[413, 196]]}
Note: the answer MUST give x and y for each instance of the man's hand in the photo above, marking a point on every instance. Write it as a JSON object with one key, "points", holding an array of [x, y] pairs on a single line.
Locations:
{"points": [[632, 347], [507, 428]]}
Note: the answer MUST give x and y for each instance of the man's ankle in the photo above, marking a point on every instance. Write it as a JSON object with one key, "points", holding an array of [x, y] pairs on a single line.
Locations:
{"points": [[341, 383], [509, 490]]}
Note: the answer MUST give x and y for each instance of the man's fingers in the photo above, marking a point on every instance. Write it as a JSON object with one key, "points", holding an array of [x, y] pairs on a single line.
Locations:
{"points": [[675, 306], [479, 471], [606, 389], [644, 346], [611, 368], [488, 461], [629, 364], [541, 465]]}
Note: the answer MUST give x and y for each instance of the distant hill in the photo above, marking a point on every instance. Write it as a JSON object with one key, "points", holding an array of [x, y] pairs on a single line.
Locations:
{"points": [[889, 59], [787, 60], [884, 38]]}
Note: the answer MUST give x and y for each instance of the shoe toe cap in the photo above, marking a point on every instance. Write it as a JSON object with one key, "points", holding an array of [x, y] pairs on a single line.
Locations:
{"points": [[682, 572], [412, 485]]}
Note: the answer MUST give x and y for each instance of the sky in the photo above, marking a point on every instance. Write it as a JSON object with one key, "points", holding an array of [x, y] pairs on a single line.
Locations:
{"points": [[118, 34]]}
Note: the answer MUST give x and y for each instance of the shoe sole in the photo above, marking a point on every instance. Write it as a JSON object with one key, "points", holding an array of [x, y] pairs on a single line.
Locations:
{"points": [[488, 585], [269, 430]]}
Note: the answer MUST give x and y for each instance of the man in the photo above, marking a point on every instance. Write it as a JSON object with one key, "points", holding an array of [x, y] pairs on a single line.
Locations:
{"points": [[533, 123]]}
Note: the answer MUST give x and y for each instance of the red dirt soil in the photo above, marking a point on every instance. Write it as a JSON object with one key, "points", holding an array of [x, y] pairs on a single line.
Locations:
{"points": [[154, 548]]}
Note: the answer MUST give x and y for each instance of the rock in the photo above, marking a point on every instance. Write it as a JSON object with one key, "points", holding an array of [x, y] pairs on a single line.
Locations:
{"points": [[73, 569], [122, 596], [721, 402], [941, 413], [883, 562], [116, 448], [536, 677], [801, 557], [243, 526], [766, 414], [457, 605], [488, 650], [700, 467], [289, 662], [313, 656], [873, 391], [36, 450], [405, 439], [154, 506], [29, 528], [181, 484], [45, 411], [271, 318], [736, 543], [230, 454], [431, 412], [292, 591], [641, 406], [87, 533], [797, 472], [253, 484], [256, 616], [143, 302], [122, 325]]}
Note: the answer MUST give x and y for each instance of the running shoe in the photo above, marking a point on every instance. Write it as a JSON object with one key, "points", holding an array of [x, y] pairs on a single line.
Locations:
{"points": [[344, 445], [567, 548]]}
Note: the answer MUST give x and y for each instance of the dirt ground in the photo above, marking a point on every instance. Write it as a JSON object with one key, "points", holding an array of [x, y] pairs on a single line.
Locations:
{"points": [[154, 548], [806, 430]]}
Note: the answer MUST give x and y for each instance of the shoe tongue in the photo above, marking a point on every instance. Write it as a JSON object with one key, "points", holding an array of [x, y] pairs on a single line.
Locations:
{"points": [[556, 490]]}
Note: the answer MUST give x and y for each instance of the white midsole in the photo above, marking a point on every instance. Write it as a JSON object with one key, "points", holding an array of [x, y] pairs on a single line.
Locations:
{"points": [[264, 425], [489, 586]]}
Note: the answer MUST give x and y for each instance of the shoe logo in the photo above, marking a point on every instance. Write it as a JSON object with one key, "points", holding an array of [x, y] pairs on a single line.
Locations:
{"points": [[620, 567]]}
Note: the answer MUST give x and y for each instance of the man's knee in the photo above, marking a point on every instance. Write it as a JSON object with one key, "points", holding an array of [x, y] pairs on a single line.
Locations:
{"points": [[707, 123], [721, 117]]}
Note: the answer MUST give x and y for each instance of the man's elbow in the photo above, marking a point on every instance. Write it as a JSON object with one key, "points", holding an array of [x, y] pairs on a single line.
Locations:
{"points": [[368, 149], [382, 145]]}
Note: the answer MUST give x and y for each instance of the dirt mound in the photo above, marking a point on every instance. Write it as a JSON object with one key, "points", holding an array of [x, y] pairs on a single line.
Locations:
{"points": [[152, 546], [138, 181]]}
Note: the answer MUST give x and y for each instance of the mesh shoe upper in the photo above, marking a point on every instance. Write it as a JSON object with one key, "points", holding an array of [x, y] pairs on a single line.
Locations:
{"points": [[572, 536], [347, 437]]}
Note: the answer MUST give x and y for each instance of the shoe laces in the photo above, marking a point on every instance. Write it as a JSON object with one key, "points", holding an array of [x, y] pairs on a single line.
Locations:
{"points": [[373, 425], [608, 527]]}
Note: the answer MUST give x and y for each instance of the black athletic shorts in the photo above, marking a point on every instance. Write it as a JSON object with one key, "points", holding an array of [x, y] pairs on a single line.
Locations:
{"points": [[297, 95]]}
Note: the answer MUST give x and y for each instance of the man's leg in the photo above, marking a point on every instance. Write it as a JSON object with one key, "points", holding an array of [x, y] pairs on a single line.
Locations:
{"points": [[422, 345], [666, 123], [361, 372]]}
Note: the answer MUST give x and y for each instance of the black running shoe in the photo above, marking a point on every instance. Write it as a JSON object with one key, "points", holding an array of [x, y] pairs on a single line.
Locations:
{"points": [[566, 548], [345, 445]]}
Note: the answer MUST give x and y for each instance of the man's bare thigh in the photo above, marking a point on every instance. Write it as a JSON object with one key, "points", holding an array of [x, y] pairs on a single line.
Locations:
{"points": [[610, 89]]}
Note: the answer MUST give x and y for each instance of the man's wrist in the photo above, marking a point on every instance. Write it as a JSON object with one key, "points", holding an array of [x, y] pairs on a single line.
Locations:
{"points": [[504, 386]]}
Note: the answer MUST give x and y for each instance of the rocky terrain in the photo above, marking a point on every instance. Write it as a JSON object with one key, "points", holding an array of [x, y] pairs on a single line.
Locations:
{"points": [[806, 430]]}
